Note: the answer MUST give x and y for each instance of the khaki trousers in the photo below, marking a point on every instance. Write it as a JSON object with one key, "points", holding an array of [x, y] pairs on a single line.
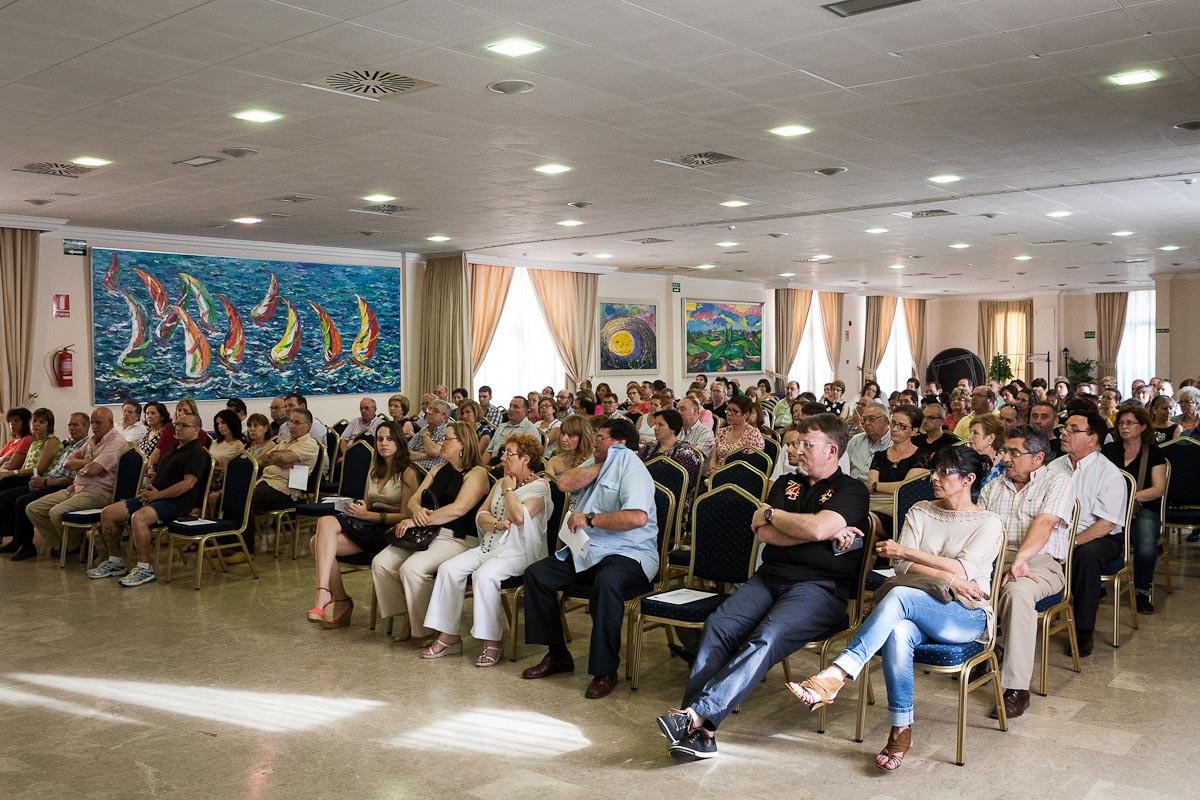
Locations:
{"points": [[1018, 619], [404, 581], [46, 513]]}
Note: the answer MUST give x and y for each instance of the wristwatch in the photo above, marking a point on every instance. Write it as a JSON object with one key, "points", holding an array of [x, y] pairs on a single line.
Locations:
{"points": [[589, 518], [770, 512]]}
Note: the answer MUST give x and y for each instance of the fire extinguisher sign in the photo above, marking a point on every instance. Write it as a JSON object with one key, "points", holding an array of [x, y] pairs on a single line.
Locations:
{"points": [[62, 305]]}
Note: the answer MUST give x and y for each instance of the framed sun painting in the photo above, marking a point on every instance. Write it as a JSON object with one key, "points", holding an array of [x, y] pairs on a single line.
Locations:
{"points": [[628, 336]]}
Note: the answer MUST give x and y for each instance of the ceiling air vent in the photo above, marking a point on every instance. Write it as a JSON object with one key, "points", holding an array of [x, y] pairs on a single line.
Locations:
{"points": [[647, 240], [57, 170], [386, 209], [373, 82], [851, 8], [700, 160], [1045, 242], [812, 261], [929, 212], [296, 198], [735, 252], [648, 269]]}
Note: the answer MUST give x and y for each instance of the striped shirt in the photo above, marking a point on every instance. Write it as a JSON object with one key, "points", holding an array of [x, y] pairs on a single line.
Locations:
{"points": [[1046, 493]]}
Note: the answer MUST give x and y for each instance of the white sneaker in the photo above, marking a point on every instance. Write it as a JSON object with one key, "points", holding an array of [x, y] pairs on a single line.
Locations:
{"points": [[142, 573], [108, 569]]}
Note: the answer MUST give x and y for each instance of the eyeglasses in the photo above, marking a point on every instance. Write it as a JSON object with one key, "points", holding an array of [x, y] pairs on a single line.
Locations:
{"points": [[179, 425], [1128, 423], [946, 472], [509, 454], [1069, 429], [451, 439], [810, 445], [874, 419], [1014, 452], [900, 426]]}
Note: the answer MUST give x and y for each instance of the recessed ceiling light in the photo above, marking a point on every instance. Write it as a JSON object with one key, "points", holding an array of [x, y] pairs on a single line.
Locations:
{"points": [[378, 198], [603, 255], [514, 48], [790, 130], [258, 115], [1133, 78], [706, 266], [787, 274], [1022, 258], [1122, 233], [511, 87], [570, 223], [1058, 214], [91, 161], [960, 246], [876, 230], [198, 161], [552, 169], [247, 220], [944, 179], [1169, 247], [895, 266], [735, 203], [822, 256], [437, 238], [727, 244]]}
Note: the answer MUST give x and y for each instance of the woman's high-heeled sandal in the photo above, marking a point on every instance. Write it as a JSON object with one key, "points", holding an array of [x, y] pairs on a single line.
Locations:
{"points": [[487, 659], [824, 689], [894, 751], [332, 620], [445, 649], [317, 613]]}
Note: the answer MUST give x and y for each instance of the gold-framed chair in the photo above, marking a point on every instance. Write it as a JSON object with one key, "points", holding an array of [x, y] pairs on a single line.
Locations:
{"points": [[958, 660], [1181, 506], [284, 519], [1056, 613], [1164, 544], [1119, 571], [131, 467], [211, 537], [159, 532], [756, 458], [745, 476]]}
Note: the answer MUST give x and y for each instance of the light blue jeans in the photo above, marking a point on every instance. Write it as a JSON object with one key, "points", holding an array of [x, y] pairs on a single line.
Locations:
{"points": [[906, 618]]}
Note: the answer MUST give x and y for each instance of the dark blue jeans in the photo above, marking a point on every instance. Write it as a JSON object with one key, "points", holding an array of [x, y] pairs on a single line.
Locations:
{"points": [[756, 628], [1146, 524]]}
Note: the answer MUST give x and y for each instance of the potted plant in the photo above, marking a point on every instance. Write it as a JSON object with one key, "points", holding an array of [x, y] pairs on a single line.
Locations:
{"points": [[1000, 369]]}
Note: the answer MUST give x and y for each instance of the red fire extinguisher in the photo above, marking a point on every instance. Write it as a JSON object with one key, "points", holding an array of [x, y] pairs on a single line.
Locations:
{"points": [[64, 367]]}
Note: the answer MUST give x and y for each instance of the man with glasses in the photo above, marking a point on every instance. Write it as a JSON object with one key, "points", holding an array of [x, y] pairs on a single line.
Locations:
{"points": [[425, 446], [1102, 494], [518, 422], [876, 436], [273, 491], [719, 403], [694, 432], [1035, 504], [933, 436], [983, 401], [797, 595], [174, 491]]}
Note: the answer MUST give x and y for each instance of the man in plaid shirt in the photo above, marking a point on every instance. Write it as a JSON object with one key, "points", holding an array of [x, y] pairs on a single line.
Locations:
{"points": [[1036, 506], [495, 415]]}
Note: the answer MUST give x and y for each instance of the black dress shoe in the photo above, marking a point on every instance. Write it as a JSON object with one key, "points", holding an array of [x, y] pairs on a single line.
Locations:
{"points": [[28, 551], [1016, 703], [1086, 641], [549, 666], [682, 653], [601, 686], [11, 547], [1144, 606]]}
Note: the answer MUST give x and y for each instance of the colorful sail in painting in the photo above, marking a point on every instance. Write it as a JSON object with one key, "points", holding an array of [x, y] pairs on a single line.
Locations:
{"points": [[284, 353], [206, 309], [165, 327], [134, 354], [157, 293], [332, 353], [234, 346], [196, 350], [368, 334], [113, 276], [264, 311]]}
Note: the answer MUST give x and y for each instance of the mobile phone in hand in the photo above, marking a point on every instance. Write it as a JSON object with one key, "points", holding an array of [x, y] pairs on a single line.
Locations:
{"points": [[855, 544]]}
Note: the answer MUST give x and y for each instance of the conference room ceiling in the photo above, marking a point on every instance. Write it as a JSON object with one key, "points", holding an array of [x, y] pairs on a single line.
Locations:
{"points": [[1012, 96]]}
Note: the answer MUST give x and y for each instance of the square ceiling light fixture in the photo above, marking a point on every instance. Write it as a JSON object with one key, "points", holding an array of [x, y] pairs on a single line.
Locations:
{"points": [[198, 161], [514, 48], [850, 8]]}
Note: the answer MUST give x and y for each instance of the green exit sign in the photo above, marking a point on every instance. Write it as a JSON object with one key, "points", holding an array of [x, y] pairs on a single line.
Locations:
{"points": [[1089, 334]]}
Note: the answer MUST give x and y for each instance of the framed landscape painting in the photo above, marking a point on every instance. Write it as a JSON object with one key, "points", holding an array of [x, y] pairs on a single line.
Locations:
{"points": [[628, 336], [722, 336]]}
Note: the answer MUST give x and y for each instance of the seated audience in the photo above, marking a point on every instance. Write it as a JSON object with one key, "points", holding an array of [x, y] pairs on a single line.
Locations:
{"points": [[362, 426], [986, 438], [398, 408], [317, 430], [228, 444], [933, 435], [835, 403], [874, 438], [548, 425], [272, 491], [167, 439], [238, 406], [1189, 406], [132, 427], [511, 527], [425, 446], [13, 520], [494, 414], [518, 410], [157, 418], [788, 454], [471, 413], [42, 452], [448, 499], [1160, 419], [738, 433], [279, 415], [576, 444], [667, 425], [951, 539], [12, 455], [258, 436], [901, 461]]}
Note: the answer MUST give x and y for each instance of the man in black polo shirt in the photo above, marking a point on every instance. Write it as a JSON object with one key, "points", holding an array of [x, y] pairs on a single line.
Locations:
{"points": [[798, 594], [174, 491]]}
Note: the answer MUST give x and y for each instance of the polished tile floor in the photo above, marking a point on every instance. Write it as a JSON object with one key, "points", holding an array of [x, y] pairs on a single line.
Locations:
{"points": [[162, 691]]}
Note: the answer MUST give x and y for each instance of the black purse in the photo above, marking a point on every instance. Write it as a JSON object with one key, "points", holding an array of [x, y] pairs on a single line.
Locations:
{"points": [[418, 537]]}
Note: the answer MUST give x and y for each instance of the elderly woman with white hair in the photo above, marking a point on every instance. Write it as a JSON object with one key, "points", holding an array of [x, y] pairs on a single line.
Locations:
{"points": [[1189, 420]]}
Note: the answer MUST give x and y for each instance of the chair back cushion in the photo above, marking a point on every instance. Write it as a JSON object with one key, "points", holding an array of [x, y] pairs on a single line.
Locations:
{"points": [[908, 494], [129, 474], [722, 540], [743, 475], [240, 473], [356, 467], [755, 458]]}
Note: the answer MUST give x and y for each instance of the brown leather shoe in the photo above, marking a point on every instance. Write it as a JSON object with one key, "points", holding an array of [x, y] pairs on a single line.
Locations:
{"points": [[601, 686], [549, 666], [1016, 703]]}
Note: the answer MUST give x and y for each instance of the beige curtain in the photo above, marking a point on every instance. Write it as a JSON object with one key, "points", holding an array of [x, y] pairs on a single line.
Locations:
{"points": [[914, 325], [830, 304], [791, 315], [568, 302], [443, 351], [18, 284], [1006, 327], [1110, 328], [489, 290], [881, 313]]}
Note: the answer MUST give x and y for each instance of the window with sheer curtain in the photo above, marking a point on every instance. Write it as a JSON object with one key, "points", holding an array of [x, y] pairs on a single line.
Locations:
{"points": [[522, 357], [1136, 357], [811, 368], [896, 366]]}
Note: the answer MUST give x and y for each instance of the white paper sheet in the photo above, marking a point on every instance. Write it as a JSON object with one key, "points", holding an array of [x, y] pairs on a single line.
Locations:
{"points": [[190, 522], [298, 478], [578, 542], [887, 573], [681, 597]]}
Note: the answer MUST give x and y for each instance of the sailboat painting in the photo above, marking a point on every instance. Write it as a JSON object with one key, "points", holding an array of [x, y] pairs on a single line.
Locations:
{"points": [[169, 325]]}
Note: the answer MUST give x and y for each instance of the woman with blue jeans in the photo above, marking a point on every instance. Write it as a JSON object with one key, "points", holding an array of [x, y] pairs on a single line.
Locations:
{"points": [[949, 538], [1136, 452]]}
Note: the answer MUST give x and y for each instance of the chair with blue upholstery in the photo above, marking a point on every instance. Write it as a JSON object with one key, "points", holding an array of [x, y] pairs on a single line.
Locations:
{"points": [[131, 467], [745, 476], [908, 494], [1164, 544], [754, 457], [958, 660], [772, 448], [351, 482], [673, 476], [1119, 571], [723, 551], [1057, 612], [512, 590], [1181, 510], [211, 537], [284, 519], [159, 535]]}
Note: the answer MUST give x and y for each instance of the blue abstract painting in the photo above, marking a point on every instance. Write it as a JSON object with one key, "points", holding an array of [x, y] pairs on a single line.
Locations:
{"points": [[169, 325]]}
